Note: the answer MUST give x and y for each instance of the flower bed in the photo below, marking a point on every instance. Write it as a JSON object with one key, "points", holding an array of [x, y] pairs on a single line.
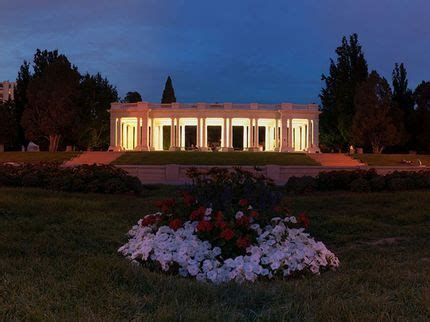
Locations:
{"points": [[237, 243]]}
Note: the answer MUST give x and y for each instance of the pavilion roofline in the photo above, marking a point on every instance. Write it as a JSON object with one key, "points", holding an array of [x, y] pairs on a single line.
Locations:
{"points": [[214, 106]]}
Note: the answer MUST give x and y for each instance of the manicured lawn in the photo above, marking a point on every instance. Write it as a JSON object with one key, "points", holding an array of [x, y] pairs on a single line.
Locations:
{"points": [[215, 158], [393, 159], [58, 261], [36, 157]]}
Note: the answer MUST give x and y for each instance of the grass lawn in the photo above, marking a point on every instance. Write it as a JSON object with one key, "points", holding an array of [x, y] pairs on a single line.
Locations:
{"points": [[392, 159], [58, 261], [36, 157], [214, 158]]}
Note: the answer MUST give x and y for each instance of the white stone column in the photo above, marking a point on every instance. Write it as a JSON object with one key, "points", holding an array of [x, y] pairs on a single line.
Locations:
{"points": [[119, 135], [199, 131], [257, 139], [230, 133], [205, 142], [151, 133], [224, 134], [178, 133], [310, 141], [250, 133], [138, 135], [144, 146], [172, 133], [290, 135]]}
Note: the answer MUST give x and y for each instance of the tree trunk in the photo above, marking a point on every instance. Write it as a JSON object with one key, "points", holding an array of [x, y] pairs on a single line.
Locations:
{"points": [[54, 140]]}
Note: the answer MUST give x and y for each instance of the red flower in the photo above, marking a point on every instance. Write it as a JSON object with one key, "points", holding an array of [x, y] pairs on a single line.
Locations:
{"points": [[165, 205], [243, 242], [197, 215], [219, 216], [221, 224], [227, 234], [243, 221], [303, 220], [243, 202], [189, 199], [204, 226], [254, 213], [150, 220], [175, 224]]}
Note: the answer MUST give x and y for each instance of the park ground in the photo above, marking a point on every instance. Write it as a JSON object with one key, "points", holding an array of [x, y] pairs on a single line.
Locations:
{"points": [[218, 158], [59, 261]]}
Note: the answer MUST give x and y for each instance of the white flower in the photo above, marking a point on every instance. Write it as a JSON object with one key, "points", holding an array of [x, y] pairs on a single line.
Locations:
{"points": [[239, 215], [278, 250]]}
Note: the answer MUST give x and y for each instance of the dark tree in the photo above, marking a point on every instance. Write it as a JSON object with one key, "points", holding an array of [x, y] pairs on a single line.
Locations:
{"points": [[422, 117], [168, 92], [51, 109], [338, 96], [8, 126], [402, 105], [132, 97], [92, 128], [373, 124], [43, 59], [20, 99]]}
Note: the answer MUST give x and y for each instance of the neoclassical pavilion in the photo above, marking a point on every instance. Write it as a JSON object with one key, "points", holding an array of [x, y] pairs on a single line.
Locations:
{"points": [[144, 126]]}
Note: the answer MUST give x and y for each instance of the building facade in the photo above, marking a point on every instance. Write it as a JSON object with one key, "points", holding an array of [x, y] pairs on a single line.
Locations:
{"points": [[144, 126], [6, 90]]}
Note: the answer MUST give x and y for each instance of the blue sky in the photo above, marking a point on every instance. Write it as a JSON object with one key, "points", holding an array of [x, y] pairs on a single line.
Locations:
{"points": [[217, 51]]}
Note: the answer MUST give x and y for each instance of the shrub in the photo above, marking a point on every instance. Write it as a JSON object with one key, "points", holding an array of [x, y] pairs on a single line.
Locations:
{"points": [[378, 183], [304, 184], [85, 178], [360, 185]]}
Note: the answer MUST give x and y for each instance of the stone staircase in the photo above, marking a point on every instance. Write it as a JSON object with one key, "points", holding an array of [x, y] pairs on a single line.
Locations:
{"points": [[99, 157], [335, 160]]}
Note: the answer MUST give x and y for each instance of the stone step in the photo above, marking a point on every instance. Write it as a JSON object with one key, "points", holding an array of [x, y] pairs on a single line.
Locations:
{"points": [[335, 160], [96, 157]]}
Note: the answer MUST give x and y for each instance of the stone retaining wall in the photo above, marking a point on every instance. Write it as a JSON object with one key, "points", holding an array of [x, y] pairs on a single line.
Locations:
{"points": [[176, 174]]}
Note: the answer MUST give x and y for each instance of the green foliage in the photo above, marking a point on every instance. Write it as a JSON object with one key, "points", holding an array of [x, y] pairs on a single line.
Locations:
{"points": [[168, 92], [373, 124], [132, 97], [85, 178], [421, 121], [86, 120], [360, 181], [92, 126], [8, 126], [222, 189], [52, 96], [338, 96]]}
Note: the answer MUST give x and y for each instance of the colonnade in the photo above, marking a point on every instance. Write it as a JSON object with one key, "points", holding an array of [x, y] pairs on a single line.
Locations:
{"points": [[284, 134]]}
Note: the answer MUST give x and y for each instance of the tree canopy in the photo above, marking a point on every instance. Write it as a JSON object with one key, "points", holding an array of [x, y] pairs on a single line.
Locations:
{"points": [[132, 97], [372, 123], [52, 95], [168, 92], [338, 96]]}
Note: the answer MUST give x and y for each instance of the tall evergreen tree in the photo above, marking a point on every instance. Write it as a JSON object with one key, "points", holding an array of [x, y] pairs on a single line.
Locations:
{"points": [[168, 93], [373, 124], [422, 117], [337, 98], [20, 99], [403, 106]]}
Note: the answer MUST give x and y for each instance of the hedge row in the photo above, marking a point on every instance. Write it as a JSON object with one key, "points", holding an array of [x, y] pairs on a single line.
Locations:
{"points": [[360, 181], [84, 178]]}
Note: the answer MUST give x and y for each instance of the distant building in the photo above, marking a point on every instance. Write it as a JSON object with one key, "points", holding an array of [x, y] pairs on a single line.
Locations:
{"points": [[6, 90], [283, 127]]}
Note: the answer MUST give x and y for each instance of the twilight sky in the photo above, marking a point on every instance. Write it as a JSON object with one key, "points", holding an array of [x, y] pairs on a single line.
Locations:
{"points": [[216, 51]]}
